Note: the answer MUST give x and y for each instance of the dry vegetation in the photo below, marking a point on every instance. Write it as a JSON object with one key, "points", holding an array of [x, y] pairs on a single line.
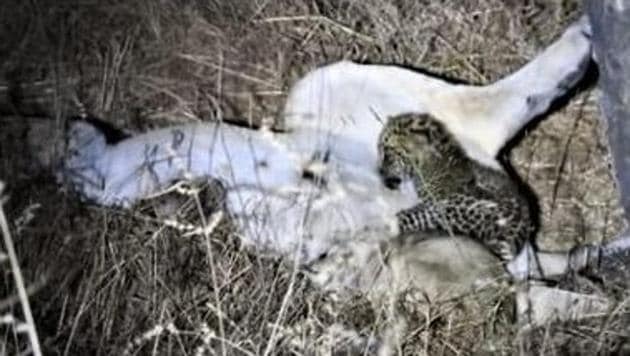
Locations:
{"points": [[107, 282]]}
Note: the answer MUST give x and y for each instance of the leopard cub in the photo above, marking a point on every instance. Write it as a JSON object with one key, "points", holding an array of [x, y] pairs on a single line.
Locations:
{"points": [[458, 195]]}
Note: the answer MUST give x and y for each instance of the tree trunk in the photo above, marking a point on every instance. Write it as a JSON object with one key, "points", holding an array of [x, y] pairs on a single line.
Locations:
{"points": [[610, 20]]}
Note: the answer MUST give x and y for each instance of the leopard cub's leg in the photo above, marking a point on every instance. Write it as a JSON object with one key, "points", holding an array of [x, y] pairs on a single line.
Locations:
{"points": [[481, 219], [420, 217]]}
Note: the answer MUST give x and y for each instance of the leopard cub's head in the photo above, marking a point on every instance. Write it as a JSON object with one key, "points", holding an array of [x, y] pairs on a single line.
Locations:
{"points": [[406, 143]]}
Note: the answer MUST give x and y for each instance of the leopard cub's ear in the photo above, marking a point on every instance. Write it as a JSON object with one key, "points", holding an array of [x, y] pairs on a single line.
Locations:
{"points": [[400, 118], [418, 128], [417, 142]]}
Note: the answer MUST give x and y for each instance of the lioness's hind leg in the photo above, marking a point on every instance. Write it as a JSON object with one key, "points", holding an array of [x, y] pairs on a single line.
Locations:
{"points": [[495, 113], [530, 91]]}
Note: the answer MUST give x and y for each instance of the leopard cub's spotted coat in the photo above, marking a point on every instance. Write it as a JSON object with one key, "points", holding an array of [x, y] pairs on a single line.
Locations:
{"points": [[457, 194]]}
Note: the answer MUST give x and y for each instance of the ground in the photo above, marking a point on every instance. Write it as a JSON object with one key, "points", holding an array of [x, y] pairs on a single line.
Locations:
{"points": [[105, 282]]}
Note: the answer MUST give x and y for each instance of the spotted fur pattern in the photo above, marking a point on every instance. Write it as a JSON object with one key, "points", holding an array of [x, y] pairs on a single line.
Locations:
{"points": [[457, 194]]}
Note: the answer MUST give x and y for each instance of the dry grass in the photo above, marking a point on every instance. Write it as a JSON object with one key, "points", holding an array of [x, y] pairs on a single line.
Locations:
{"points": [[101, 279]]}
